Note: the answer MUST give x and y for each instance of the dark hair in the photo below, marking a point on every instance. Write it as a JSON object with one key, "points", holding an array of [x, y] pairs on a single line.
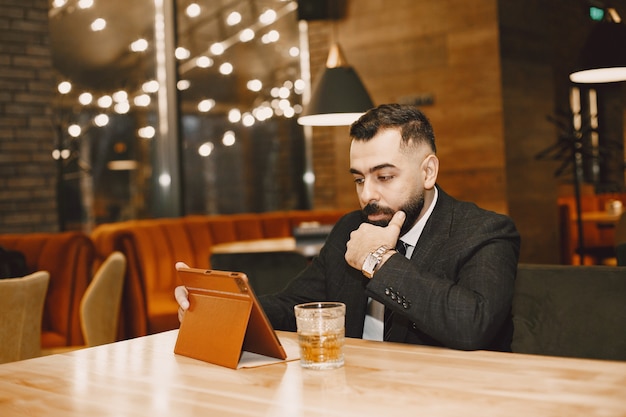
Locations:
{"points": [[413, 124]]}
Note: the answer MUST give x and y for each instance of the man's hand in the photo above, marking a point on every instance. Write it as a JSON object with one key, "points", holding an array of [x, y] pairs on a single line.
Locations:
{"points": [[367, 238], [181, 295]]}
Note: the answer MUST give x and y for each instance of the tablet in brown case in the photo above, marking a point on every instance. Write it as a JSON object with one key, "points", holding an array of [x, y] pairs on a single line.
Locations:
{"points": [[224, 318]]}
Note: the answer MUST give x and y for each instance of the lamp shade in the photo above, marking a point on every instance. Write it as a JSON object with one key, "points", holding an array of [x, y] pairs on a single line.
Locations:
{"points": [[603, 57], [338, 99]]}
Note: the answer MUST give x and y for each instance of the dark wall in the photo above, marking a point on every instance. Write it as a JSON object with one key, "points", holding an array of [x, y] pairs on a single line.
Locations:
{"points": [[27, 171]]}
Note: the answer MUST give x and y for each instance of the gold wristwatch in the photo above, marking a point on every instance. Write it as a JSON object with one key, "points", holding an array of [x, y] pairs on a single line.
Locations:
{"points": [[372, 261]]}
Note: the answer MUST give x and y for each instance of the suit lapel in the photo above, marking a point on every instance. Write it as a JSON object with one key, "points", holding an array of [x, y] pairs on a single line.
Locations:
{"points": [[435, 234], [436, 231]]}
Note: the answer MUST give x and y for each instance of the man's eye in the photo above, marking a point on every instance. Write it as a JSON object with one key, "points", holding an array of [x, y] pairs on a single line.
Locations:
{"points": [[359, 180], [385, 177]]}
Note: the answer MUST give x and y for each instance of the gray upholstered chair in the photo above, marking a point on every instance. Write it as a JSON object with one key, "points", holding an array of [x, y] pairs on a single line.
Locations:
{"points": [[21, 309], [100, 305], [620, 240], [268, 272], [570, 310]]}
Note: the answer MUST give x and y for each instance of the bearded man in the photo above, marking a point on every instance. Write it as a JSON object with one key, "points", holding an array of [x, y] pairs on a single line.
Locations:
{"points": [[414, 265]]}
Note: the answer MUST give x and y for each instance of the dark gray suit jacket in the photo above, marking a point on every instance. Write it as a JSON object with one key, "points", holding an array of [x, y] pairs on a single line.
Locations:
{"points": [[455, 291]]}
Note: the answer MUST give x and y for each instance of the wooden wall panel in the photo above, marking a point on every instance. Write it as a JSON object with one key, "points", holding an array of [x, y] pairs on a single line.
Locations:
{"points": [[405, 49]]}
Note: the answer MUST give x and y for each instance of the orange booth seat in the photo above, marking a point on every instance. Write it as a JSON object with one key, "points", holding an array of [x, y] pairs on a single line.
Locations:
{"points": [[68, 257], [152, 248]]}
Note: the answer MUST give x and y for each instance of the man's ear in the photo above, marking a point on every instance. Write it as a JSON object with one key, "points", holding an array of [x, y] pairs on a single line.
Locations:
{"points": [[431, 169]]}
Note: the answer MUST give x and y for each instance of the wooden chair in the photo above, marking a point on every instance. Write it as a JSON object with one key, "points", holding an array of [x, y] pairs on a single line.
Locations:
{"points": [[21, 308]]}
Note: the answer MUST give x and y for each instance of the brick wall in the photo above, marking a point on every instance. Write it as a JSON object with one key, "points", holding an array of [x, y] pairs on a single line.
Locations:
{"points": [[27, 170]]}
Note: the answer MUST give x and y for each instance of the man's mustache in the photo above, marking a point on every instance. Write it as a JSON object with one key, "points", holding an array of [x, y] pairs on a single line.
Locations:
{"points": [[371, 209]]}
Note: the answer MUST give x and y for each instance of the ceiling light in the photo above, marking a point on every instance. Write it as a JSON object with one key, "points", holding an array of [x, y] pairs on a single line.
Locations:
{"points": [[603, 57], [182, 53], [246, 35], [120, 96], [146, 132], [142, 100], [247, 119], [98, 24], [101, 120], [229, 138], [85, 98], [105, 102], [85, 4], [206, 105], [206, 149], [267, 17], [233, 18], [283, 92], [271, 36], [140, 45], [289, 112], [74, 130], [299, 86], [226, 68], [193, 10], [204, 62], [183, 85], [151, 86], [217, 48], [339, 98], [165, 180], [122, 107], [234, 115], [254, 85], [64, 87]]}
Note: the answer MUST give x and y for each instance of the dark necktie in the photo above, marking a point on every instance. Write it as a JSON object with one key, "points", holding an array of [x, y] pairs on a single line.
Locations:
{"points": [[389, 315]]}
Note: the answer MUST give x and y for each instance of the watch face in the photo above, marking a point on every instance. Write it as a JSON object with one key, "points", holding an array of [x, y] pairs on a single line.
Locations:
{"points": [[370, 263]]}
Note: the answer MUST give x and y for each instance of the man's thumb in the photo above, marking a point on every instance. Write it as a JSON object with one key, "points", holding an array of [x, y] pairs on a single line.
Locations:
{"points": [[398, 219]]}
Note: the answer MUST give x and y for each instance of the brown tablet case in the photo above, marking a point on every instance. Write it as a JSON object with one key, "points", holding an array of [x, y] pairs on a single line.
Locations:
{"points": [[224, 318]]}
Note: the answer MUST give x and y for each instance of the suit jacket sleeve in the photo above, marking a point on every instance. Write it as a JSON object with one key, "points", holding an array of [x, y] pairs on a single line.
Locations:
{"points": [[457, 288], [327, 278]]}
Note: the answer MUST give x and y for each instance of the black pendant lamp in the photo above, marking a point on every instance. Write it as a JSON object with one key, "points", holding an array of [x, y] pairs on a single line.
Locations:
{"points": [[603, 57], [339, 98]]}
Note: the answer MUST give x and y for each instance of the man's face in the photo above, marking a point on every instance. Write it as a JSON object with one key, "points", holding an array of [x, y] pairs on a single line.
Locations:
{"points": [[387, 178]]}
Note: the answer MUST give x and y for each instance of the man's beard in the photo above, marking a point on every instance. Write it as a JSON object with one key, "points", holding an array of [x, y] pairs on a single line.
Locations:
{"points": [[412, 209]]}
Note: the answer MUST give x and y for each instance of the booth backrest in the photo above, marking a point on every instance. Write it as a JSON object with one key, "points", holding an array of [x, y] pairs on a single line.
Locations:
{"points": [[152, 248], [569, 310], [68, 257]]}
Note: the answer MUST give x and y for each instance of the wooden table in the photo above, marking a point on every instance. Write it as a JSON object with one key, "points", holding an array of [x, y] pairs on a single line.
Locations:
{"points": [[281, 244], [601, 217], [143, 377]]}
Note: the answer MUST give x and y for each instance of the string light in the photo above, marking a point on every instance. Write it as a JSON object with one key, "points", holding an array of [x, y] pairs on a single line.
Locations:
{"points": [[140, 45], [193, 10], [121, 103], [85, 4], [64, 87], [233, 18], [98, 24]]}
